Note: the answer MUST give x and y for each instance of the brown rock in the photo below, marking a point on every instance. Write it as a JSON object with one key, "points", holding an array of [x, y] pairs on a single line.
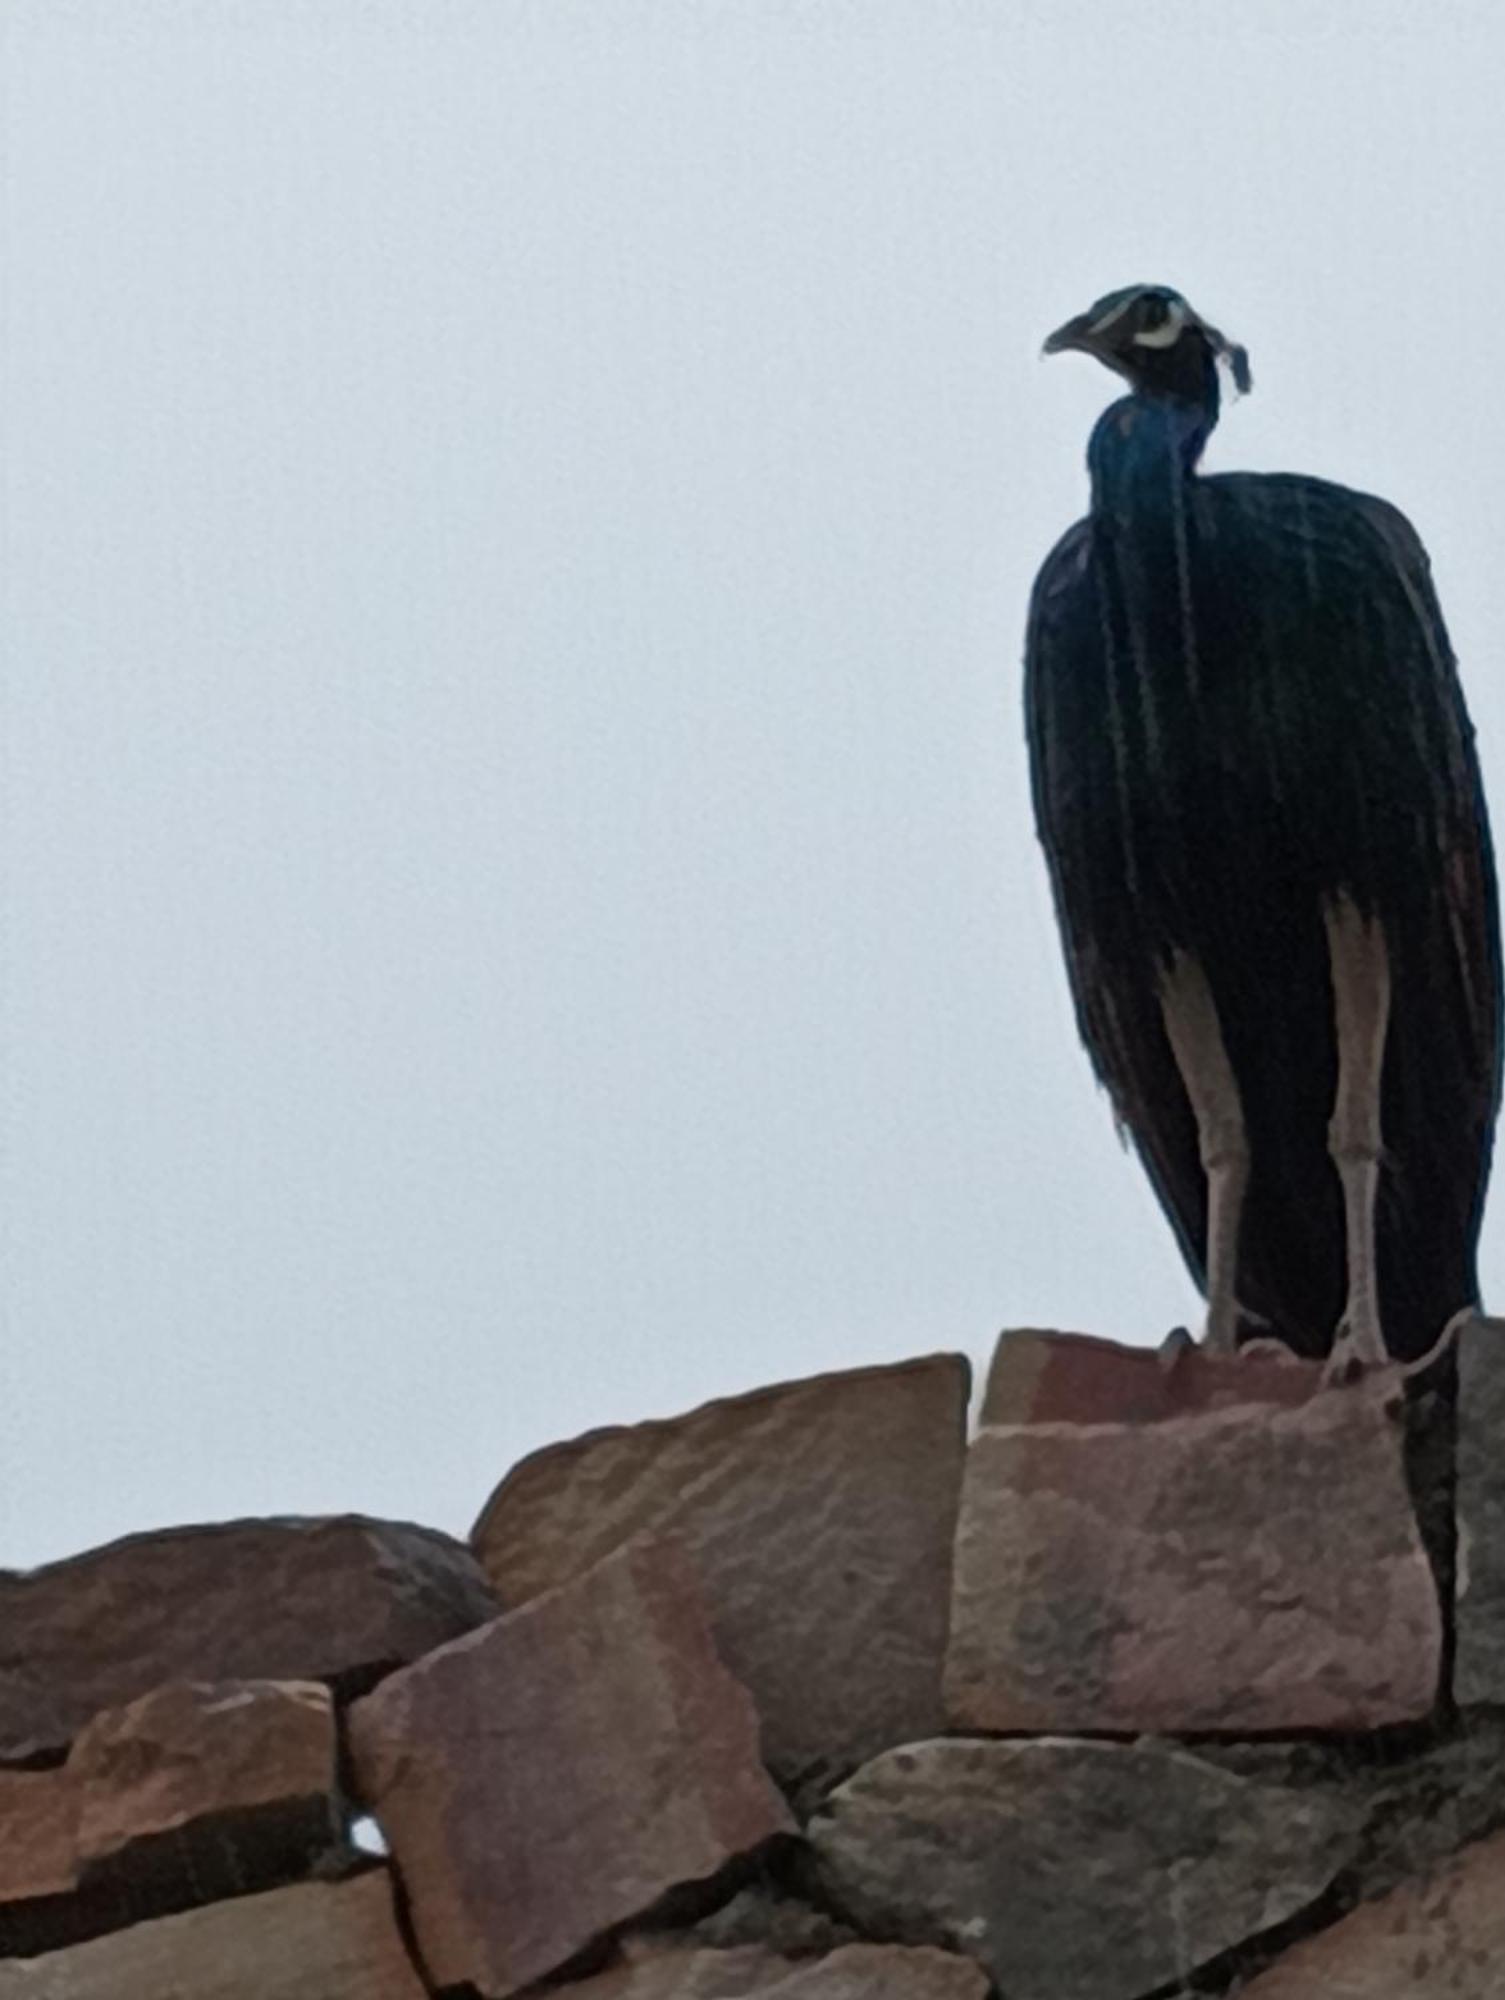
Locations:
{"points": [[1479, 1666], [820, 1515], [1039, 1377], [188, 1795], [240, 1774], [855, 1972], [38, 1836], [1439, 1938], [1073, 1870], [552, 1775], [340, 1600], [315, 1941], [1241, 1570]]}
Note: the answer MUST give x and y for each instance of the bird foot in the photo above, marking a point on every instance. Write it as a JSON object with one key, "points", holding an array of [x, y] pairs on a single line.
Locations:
{"points": [[1441, 1345], [1220, 1336], [1358, 1351], [1176, 1343]]}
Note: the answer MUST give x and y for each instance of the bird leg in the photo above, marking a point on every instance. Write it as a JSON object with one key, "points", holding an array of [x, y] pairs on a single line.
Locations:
{"points": [[1196, 1039], [1360, 967]]}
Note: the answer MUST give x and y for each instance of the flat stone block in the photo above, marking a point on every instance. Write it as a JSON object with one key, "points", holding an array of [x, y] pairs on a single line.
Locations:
{"points": [[191, 1794], [552, 1775], [339, 1600], [1439, 1938], [1042, 1377], [820, 1515], [1073, 1870], [315, 1941], [235, 1778], [1244, 1569]]}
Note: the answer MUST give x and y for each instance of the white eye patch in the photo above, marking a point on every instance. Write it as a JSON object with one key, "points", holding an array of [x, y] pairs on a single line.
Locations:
{"points": [[1168, 333]]}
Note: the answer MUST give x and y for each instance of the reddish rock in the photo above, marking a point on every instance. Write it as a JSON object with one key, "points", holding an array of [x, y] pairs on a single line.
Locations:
{"points": [[241, 1774], [820, 1515], [550, 1776], [855, 1972], [38, 1836], [1039, 1377], [188, 1795], [340, 1600], [1243, 1570], [1440, 1938], [315, 1941]]}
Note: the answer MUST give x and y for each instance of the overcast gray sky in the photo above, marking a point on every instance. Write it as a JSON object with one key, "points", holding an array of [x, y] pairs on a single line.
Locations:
{"points": [[520, 909]]}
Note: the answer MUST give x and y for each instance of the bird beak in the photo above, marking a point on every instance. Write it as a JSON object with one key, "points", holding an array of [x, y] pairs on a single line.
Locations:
{"points": [[1076, 333]]}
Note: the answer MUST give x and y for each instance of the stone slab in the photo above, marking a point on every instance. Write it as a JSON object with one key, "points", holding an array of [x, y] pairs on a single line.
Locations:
{"points": [[1438, 1938], [314, 1941], [1242, 1570], [554, 1774], [190, 1794], [1039, 1376], [1073, 1870], [38, 1835], [820, 1515], [341, 1599], [231, 1784]]}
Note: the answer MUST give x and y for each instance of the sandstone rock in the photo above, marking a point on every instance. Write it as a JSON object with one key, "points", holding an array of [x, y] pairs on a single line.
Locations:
{"points": [[1239, 1570], [1073, 1870], [38, 1835], [1038, 1377], [820, 1515], [1479, 1664], [315, 1941], [190, 1794], [552, 1775], [40, 1903], [339, 1600], [855, 1972], [232, 1784], [1439, 1938]]}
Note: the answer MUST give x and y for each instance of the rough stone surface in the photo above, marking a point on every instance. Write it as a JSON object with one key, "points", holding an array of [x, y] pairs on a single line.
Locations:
{"points": [[315, 1941], [1479, 1662], [855, 1972], [241, 1774], [1240, 1570], [552, 1775], [1073, 1870], [820, 1515], [38, 1835], [1040, 1377], [1440, 1938], [340, 1600], [777, 1921], [190, 1794]]}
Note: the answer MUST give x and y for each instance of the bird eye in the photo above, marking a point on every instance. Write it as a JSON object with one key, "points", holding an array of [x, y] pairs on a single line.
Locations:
{"points": [[1154, 309]]}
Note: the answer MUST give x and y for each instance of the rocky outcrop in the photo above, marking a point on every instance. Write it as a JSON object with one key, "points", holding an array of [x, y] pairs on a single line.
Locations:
{"points": [[819, 1516], [339, 1600], [1074, 1870], [1241, 1569], [554, 1774], [1146, 1691], [317, 1941]]}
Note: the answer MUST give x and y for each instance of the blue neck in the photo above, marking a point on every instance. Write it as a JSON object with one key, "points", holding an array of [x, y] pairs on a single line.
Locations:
{"points": [[1142, 451]]}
